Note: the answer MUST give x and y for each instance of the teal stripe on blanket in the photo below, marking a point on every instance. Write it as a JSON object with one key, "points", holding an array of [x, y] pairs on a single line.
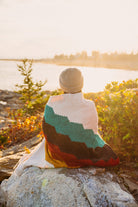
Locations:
{"points": [[75, 131]]}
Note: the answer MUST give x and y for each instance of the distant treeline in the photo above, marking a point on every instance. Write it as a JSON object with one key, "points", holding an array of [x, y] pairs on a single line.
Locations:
{"points": [[97, 59], [97, 56]]}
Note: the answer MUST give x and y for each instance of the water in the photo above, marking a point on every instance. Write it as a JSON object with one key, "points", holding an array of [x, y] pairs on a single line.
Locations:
{"points": [[95, 79]]}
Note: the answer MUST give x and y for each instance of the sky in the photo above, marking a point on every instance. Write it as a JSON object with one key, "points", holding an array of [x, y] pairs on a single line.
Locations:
{"points": [[43, 28]]}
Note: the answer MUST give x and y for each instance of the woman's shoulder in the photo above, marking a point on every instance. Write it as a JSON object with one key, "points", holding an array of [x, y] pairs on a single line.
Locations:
{"points": [[70, 99], [55, 98]]}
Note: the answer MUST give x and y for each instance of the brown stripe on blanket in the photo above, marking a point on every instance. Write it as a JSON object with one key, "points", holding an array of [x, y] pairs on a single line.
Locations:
{"points": [[80, 150]]}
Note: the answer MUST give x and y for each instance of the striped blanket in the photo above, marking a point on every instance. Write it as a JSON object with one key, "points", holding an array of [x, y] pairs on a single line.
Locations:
{"points": [[70, 126]]}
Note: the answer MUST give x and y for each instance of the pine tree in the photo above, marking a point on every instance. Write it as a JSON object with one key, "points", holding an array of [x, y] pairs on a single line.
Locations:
{"points": [[32, 96]]}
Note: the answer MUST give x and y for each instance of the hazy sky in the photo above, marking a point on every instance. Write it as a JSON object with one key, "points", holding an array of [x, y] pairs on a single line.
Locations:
{"points": [[43, 28]]}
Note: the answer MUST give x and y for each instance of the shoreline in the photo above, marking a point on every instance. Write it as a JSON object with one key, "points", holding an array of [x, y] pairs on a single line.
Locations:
{"points": [[89, 65], [82, 64]]}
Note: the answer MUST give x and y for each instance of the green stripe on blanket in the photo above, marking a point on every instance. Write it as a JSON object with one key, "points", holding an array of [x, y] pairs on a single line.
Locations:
{"points": [[75, 131]]}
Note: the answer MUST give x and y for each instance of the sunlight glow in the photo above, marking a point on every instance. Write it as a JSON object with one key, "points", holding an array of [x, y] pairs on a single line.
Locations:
{"points": [[44, 28]]}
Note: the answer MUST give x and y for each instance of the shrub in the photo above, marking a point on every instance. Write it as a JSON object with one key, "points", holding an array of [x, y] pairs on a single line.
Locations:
{"points": [[22, 128], [117, 111], [32, 94]]}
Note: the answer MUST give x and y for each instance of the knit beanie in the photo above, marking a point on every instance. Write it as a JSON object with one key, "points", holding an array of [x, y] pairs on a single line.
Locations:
{"points": [[71, 80]]}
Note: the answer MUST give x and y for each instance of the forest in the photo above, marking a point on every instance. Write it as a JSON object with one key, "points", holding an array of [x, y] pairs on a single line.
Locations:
{"points": [[116, 60]]}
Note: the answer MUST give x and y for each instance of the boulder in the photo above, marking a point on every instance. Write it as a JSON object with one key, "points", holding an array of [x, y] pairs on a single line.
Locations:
{"points": [[62, 187]]}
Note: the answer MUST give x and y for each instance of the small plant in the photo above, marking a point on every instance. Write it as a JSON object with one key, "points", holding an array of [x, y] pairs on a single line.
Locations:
{"points": [[22, 128], [32, 96]]}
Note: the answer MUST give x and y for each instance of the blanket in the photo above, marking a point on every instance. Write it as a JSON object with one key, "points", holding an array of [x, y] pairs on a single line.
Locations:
{"points": [[70, 126]]}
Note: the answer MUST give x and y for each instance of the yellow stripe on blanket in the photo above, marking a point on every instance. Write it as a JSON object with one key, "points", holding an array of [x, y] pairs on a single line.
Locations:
{"points": [[50, 159]]}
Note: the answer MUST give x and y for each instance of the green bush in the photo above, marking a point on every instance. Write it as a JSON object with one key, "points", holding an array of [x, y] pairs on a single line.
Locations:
{"points": [[117, 112]]}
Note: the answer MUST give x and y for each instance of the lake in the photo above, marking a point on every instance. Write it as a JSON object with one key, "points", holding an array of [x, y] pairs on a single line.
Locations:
{"points": [[95, 79]]}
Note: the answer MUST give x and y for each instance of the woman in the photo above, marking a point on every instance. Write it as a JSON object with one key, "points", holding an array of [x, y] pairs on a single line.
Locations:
{"points": [[70, 127]]}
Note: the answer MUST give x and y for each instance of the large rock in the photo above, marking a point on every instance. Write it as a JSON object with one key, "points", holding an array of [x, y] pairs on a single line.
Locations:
{"points": [[85, 187]]}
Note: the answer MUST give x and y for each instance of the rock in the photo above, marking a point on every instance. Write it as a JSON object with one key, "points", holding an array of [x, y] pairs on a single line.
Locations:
{"points": [[6, 95], [20, 147], [61, 187], [9, 100], [131, 186], [7, 164], [9, 157]]}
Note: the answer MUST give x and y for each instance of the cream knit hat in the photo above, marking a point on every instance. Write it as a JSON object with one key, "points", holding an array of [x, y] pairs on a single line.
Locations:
{"points": [[71, 80]]}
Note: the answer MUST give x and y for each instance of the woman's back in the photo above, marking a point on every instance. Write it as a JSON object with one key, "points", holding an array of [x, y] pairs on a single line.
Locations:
{"points": [[70, 127], [76, 109]]}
